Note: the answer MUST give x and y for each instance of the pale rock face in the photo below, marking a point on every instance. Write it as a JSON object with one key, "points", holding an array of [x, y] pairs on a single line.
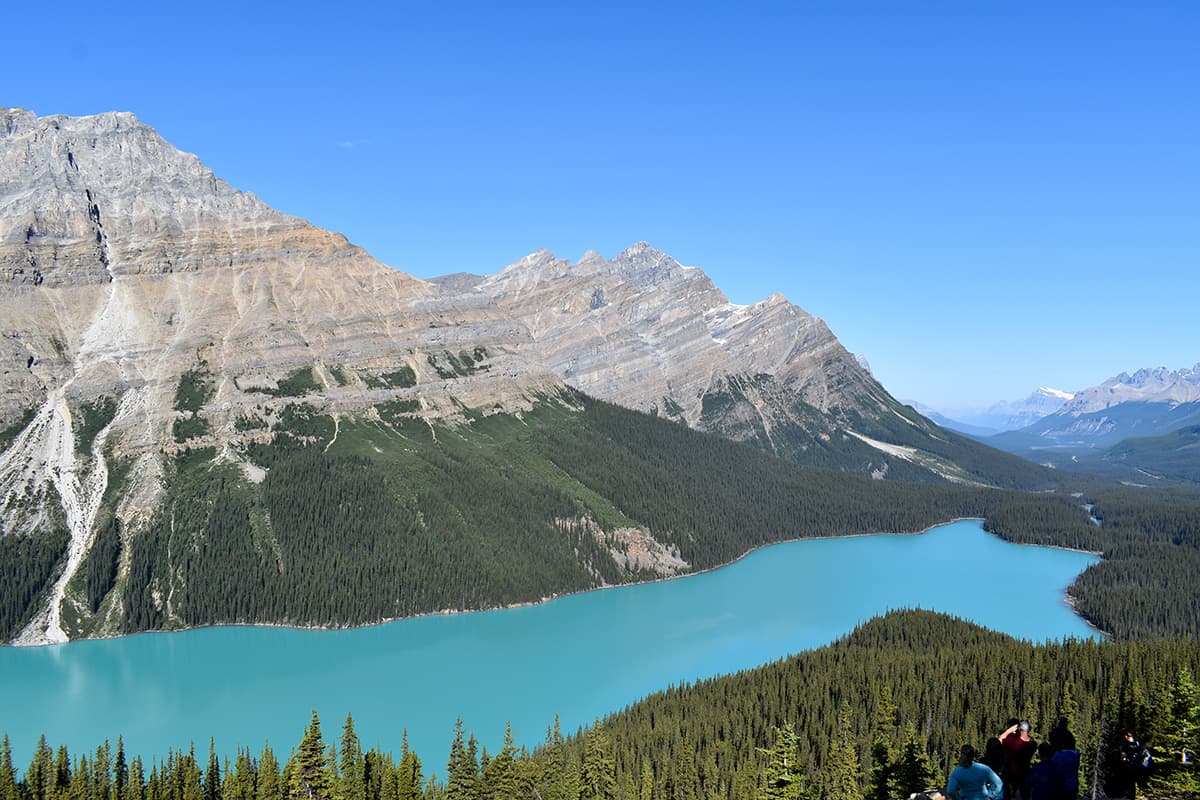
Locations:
{"points": [[125, 261], [647, 333]]}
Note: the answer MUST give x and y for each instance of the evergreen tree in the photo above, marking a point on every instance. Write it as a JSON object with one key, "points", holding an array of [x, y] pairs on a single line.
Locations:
{"points": [[842, 771], [1177, 775], [462, 769], [1183, 718], [883, 747], [154, 785], [680, 781], [137, 781], [553, 757], [352, 780], [782, 778], [8, 776], [189, 776], [310, 779], [212, 775], [240, 783], [914, 770], [528, 774], [1068, 707], [598, 779], [39, 778], [102, 772], [500, 775], [120, 772], [408, 772], [269, 784], [646, 791], [62, 774]]}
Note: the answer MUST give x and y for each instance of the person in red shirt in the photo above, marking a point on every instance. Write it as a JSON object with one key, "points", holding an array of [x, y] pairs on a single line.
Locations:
{"points": [[1019, 748]]}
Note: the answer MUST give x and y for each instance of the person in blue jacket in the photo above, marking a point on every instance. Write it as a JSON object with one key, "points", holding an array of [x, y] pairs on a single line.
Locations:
{"points": [[973, 781]]}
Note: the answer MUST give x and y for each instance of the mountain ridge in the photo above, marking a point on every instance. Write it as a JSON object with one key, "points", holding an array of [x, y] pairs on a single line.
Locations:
{"points": [[174, 346]]}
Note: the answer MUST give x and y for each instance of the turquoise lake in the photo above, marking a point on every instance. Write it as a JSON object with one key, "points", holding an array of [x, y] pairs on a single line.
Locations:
{"points": [[579, 657]]}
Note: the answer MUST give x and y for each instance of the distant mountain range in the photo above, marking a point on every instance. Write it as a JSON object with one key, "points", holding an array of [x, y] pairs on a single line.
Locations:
{"points": [[1002, 416], [1120, 428], [213, 411]]}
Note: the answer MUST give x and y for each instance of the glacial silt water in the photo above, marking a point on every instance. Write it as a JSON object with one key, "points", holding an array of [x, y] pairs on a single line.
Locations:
{"points": [[578, 657]]}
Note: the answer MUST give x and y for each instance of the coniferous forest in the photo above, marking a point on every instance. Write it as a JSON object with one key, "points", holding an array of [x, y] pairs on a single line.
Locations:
{"points": [[505, 509]]}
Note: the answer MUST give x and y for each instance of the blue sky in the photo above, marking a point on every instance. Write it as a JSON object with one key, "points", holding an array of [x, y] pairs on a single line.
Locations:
{"points": [[979, 197]]}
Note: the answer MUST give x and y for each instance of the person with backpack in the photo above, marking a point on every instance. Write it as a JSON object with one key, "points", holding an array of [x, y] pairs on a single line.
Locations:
{"points": [[1066, 770], [1135, 763], [1042, 783]]}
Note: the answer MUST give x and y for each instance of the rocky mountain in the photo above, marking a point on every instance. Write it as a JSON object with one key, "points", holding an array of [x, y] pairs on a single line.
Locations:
{"points": [[1156, 385], [126, 267], [211, 411], [648, 333], [1148, 403]]}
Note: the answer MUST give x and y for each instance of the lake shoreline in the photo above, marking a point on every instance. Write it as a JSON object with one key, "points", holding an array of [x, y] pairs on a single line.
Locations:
{"points": [[1070, 601]]}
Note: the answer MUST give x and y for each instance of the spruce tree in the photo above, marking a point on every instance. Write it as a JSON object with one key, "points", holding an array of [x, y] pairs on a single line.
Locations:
{"points": [[500, 775], [883, 747], [914, 770], [62, 774], [120, 771], [598, 779], [462, 769], [352, 780], [269, 784], [782, 778], [408, 772], [646, 791], [137, 781], [39, 778], [554, 764], [212, 775], [102, 772], [842, 770], [8, 776], [189, 776], [240, 781], [310, 779], [1177, 775]]}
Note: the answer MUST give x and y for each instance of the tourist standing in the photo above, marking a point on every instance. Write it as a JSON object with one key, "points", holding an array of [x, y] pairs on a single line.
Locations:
{"points": [[1019, 748], [972, 780]]}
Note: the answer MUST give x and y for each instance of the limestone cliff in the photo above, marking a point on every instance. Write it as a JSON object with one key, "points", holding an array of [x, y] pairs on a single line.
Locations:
{"points": [[646, 332]]}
